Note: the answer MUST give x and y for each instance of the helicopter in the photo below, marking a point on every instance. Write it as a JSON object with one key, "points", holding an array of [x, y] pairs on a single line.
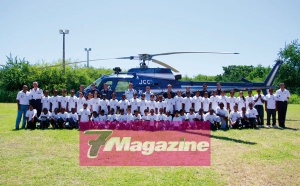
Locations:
{"points": [[158, 79]]}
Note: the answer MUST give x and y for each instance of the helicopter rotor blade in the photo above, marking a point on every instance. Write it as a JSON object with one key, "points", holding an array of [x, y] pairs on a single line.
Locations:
{"points": [[164, 64], [130, 57], [75, 62], [171, 53]]}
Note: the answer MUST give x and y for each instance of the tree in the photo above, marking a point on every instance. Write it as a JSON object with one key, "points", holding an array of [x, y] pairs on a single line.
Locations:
{"points": [[289, 72]]}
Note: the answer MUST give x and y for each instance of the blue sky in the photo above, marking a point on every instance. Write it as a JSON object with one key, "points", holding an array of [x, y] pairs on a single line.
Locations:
{"points": [[256, 29]]}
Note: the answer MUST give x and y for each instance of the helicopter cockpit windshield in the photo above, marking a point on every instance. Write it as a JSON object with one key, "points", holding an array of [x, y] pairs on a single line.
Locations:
{"points": [[97, 83]]}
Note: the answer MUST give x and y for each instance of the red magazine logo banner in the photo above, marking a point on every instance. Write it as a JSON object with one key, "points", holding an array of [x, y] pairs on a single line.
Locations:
{"points": [[145, 148]]}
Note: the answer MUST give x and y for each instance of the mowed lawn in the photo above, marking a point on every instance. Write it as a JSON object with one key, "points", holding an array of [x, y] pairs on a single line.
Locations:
{"points": [[239, 157]]}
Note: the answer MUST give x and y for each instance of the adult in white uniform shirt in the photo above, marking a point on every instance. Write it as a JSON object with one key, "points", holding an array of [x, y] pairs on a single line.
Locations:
{"points": [[283, 95], [130, 91], [36, 98], [23, 98]]}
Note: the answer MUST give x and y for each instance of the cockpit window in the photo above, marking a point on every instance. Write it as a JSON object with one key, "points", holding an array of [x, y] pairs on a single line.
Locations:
{"points": [[98, 81], [122, 86]]}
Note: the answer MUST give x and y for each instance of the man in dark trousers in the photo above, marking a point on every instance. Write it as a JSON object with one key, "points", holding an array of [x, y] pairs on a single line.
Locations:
{"points": [[283, 96]]}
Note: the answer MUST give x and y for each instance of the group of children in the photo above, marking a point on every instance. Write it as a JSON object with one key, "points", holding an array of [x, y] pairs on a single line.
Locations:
{"points": [[177, 113]]}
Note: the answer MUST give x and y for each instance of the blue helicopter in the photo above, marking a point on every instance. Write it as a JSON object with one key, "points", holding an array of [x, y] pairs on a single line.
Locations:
{"points": [[159, 78]]}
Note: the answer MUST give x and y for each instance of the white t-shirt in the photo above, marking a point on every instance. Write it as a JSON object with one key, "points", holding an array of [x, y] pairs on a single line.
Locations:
{"points": [[72, 102], [259, 101], [135, 103], [54, 115], [54, 101], [111, 117], [135, 118], [63, 101], [123, 104], [234, 116], [177, 121], [84, 113], [168, 118], [232, 101], [104, 105], [143, 106], [145, 118], [223, 99], [152, 119], [183, 117], [122, 118], [211, 118], [160, 117], [271, 101], [151, 105], [114, 103], [44, 116], [200, 117], [102, 118], [73, 116], [159, 105], [178, 102], [95, 104], [187, 103], [190, 117], [241, 103], [64, 116], [30, 113], [249, 100], [197, 102], [23, 97], [252, 113], [80, 102], [222, 112], [205, 102], [46, 102], [214, 100], [129, 117], [169, 103]]}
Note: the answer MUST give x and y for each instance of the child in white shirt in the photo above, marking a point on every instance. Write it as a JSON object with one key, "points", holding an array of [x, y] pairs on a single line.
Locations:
{"points": [[177, 121], [235, 118], [31, 117]]}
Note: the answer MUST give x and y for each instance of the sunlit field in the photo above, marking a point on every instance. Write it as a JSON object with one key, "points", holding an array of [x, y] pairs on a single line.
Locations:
{"points": [[239, 157]]}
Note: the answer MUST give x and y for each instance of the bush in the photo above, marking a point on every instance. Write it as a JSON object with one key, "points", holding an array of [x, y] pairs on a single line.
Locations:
{"points": [[294, 99]]}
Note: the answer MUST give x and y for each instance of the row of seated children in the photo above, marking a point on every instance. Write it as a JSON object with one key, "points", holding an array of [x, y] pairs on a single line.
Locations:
{"points": [[180, 121], [58, 119]]}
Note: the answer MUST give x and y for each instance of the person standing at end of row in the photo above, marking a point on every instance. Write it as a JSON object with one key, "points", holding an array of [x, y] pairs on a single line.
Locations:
{"points": [[23, 98], [283, 95], [36, 98]]}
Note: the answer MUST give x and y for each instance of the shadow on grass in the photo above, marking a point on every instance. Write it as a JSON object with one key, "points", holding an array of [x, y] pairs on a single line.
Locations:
{"points": [[220, 137], [287, 128]]}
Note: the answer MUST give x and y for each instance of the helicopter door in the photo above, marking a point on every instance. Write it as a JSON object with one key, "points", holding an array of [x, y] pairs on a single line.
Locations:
{"points": [[121, 87]]}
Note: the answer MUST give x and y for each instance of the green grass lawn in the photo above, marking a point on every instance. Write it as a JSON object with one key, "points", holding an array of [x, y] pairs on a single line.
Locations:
{"points": [[239, 157]]}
